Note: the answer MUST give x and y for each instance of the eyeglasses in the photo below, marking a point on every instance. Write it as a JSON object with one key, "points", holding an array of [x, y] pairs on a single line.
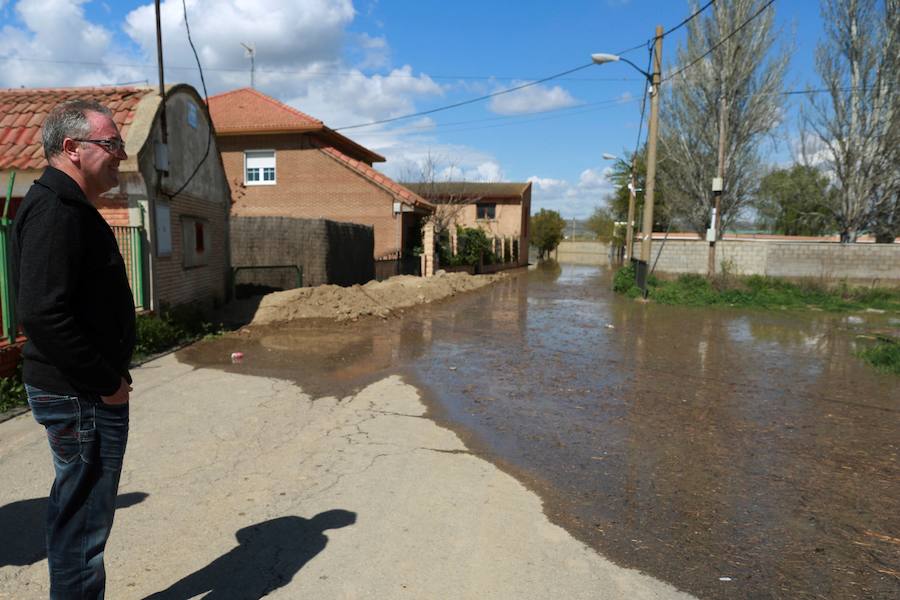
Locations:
{"points": [[113, 146]]}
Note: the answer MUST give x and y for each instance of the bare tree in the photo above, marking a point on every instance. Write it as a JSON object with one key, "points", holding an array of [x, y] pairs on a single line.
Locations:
{"points": [[435, 180], [857, 120], [747, 71]]}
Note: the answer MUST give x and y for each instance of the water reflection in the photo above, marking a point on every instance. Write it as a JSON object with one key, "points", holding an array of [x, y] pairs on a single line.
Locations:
{"points": [[692, 444]]}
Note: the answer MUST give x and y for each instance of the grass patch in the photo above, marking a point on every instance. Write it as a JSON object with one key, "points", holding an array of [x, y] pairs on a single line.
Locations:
{"points": [[758, 292], [12, 390], [884, 355], [173, 328]]}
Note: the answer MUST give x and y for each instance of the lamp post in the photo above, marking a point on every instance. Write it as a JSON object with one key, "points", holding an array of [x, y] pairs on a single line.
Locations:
{"points": [[632, 191], [652, 135]]}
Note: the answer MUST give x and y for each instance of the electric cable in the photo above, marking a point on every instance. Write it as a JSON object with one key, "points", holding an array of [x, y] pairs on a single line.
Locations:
{"points": [[687, 20], [464, 102], [720, 42], [209, 126]]}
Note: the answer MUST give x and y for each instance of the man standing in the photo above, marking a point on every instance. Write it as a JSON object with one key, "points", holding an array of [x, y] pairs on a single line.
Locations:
{"points": [[77, 310]]}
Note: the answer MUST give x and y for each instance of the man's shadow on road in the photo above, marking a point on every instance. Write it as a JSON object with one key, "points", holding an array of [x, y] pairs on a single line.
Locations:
{"points": [[267, 557], [23, 526]]}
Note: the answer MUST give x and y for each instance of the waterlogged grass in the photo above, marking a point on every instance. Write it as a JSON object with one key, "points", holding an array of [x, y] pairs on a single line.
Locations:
{"points": [[758, 292], [884, 355]]}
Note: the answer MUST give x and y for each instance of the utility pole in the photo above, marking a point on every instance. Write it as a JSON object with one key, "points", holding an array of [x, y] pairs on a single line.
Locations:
{"points": [[162, 85], [251, 52], [652, 134], [629, 229], [717, 186]]}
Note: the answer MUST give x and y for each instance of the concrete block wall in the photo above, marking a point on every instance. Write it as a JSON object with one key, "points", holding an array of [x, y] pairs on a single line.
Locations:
{"points": [[327, 251], [862, 263], [582, 253]]}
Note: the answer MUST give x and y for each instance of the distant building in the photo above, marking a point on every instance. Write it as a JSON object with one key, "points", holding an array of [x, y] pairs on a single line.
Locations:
{"points": [[502, 210], [284, 163]]}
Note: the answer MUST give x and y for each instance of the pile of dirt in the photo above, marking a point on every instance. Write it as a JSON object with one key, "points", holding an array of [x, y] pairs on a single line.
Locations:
{"points": [[376, 298]]}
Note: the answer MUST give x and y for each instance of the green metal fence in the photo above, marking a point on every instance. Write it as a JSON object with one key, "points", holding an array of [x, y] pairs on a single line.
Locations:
{"points": [[10, 327], [6, 301], [131, 245]]}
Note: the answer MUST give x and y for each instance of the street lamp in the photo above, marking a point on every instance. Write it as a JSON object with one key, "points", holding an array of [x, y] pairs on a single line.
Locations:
{"points": [[629, 227], [652, 134]]}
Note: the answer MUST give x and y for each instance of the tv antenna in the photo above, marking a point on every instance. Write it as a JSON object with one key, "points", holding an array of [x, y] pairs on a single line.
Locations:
{"points": [[251, 52]]}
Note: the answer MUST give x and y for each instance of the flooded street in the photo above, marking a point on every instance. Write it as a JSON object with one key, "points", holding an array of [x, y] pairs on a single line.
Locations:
{"points": [[732, 453]]}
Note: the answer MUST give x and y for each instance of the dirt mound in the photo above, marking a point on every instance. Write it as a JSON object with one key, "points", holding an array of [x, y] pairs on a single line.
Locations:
{"points": [[376, 298]]}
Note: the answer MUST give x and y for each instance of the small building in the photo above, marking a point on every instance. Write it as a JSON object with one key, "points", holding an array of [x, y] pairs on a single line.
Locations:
{"points": [[502, 210], [170, 211], [281, 162]]}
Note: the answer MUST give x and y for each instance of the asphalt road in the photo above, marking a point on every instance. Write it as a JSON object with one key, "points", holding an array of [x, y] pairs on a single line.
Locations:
{"points": [[241, 486]]}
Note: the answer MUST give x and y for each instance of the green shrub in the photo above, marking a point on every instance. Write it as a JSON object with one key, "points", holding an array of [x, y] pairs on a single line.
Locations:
{"points": [[12, 390], [156, 334], [176, 326], [472, 245], [884, 355]]}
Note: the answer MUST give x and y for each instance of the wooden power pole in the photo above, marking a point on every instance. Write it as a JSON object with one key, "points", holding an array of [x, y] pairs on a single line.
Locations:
{"points": [[652, 134]]}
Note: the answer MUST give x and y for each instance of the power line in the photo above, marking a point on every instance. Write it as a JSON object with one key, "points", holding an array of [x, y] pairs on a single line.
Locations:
{"points": [[722, 41], [205, 96], [464, 102], [545, 118], [516, 88], [687, 20], [313, 73]]}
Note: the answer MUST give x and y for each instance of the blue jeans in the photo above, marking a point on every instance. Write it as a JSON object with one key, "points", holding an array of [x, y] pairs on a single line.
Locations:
{"points": [[87, 440]]}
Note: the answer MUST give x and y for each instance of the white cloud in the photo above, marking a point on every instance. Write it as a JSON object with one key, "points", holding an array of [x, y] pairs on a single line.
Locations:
{"points": [[375, 52], [56, 29], [531, 99], [353, 98], [408, 156], [594, 178], [572, 200]]}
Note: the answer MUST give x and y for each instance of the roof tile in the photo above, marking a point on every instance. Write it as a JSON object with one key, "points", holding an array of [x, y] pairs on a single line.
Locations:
{"points": [[247, 110], [24, 111], [376, 177]]}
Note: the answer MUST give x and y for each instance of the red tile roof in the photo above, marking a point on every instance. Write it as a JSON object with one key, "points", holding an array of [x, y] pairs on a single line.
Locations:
{"points": [[379, 179], [24, 110], [247, 111]]}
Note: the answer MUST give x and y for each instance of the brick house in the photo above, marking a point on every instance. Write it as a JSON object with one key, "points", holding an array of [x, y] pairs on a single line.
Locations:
{"points": [[502, 210], [281, 162], [181, 251]]}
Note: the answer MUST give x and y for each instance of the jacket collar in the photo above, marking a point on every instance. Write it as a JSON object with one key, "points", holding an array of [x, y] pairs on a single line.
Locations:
{"points": [[63, 185]]}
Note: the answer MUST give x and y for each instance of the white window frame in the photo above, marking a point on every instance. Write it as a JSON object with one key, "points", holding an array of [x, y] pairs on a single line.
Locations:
{"points": [[260, 160]]}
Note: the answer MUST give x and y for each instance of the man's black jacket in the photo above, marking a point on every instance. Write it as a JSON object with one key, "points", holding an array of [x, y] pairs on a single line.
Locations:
{"points": [[74, 301]]}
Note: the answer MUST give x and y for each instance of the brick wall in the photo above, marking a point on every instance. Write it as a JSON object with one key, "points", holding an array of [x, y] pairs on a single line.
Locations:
{"points": [[309, 185], [205, 284], [327, 251], [114, 208]]}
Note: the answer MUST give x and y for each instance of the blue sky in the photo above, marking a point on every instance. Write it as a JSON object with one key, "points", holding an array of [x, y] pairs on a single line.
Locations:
{"points": [[354, 62]]}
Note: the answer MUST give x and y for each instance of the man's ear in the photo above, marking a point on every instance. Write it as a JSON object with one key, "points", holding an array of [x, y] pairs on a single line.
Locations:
{"points": [[70, 150]]}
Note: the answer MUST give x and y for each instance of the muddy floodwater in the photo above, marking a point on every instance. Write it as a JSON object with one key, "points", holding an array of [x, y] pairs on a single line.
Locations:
{"points": [[731, 453]]}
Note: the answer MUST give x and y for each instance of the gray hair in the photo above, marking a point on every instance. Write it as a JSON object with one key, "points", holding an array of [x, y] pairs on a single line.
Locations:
{"points": [[68, 120]]}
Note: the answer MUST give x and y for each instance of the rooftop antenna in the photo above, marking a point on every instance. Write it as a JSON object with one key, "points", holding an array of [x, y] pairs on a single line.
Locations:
{"points": [[251, 52]]}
